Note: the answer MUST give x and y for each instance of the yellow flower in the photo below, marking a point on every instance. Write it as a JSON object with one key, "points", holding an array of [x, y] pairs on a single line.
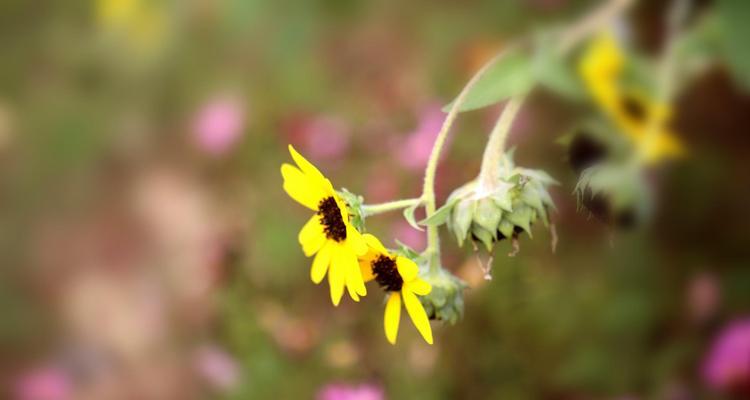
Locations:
{"points": [[601, 67], [328, 234], [397, 275]]}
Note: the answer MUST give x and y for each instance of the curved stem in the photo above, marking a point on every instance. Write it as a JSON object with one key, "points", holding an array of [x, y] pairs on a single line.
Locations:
{"points": [[570, 38], [495, 149], [428, 189], [373, 209], [591, 23]]}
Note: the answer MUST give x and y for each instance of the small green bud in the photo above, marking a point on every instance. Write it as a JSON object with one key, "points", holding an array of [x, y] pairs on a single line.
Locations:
{"points": [[445, 302]]}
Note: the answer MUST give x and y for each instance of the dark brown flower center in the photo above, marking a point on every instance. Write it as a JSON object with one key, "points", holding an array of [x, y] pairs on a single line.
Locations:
{"points": [[386, 274], [585, 151], [633, 108], [330, 217]]}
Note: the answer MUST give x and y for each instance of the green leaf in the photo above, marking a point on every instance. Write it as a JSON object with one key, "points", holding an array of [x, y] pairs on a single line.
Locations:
{"points": [[511, 76], [735, 15], [440, 216], [409, 216], [555, 72]]}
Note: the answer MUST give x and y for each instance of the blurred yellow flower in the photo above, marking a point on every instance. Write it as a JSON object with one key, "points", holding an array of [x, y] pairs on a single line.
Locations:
{"points": [[328, 234], [398, 276], [141, 22], [632, 111]]}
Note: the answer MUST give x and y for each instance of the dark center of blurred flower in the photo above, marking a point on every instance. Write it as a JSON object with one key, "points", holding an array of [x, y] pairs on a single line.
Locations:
{"points": [[386, 274], [330, 217], [633, 108], [584, 152]]}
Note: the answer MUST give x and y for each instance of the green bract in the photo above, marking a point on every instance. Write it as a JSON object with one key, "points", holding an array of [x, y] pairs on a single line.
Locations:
{"points": [[354, 203], [445, 302], [492, 211]]}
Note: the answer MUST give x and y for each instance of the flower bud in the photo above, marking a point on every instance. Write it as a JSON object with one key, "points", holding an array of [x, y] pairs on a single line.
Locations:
{"points": [[492, 211], [616, 194], [445, 302]]}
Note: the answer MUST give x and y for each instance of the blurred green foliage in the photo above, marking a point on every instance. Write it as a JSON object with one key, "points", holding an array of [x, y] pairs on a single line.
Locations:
{"points": [[594, 320]]}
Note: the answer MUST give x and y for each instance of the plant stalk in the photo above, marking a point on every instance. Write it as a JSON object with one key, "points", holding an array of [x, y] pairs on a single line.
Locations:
{"points": [[374, 209], [428, 189], [495, 149]]}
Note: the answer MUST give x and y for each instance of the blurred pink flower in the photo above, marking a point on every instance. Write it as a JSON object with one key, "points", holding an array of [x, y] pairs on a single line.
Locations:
{"points": [[382, 184], [327, 137], [219, 124], [338, 391], [319, 136], [703, 296], [727, 367], [45, 383], [414, 152], [409, 236], [217, 367]]}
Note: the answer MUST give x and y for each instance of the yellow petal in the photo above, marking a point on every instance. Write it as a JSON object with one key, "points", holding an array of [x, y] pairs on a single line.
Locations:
{"points": [[342, 206], [406, 268], [418, 315], [365, 267], [603, 56], [352, 293], [354, 282], [311, 229], [312, 237], [374, 243], [336, 274], [320, 263], [310, 170], [392, 316], [299, 188], [667, 144], [600, 67], [355, 241], [418, 287]]}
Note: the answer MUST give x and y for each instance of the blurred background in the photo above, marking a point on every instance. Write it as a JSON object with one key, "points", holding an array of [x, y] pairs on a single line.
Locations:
{"points": [[148, 251]]}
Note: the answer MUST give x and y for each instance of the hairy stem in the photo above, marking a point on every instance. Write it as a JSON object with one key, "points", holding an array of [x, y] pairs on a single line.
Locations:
{"points": [[570, 38], [428, 189], [373, 209], [495, 149], [591, 23]]}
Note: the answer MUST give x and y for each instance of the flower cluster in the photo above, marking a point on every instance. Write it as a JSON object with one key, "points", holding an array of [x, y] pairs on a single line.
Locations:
{"points": [[611, 151], [632, 111], [347, 256], [612, 168]]}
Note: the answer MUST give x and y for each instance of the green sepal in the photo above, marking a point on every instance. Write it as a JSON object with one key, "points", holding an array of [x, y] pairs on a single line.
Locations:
{"points": [[354, 204]]}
